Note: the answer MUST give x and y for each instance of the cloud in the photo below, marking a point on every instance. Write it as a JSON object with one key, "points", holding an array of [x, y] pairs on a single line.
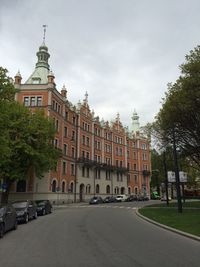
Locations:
{"points": [[123, 53]]}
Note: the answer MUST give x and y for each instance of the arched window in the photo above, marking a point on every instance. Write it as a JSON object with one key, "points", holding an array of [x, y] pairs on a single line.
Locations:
{"points": [[54, 186], [63, 187], [107, 189], [97, 189], [21, 186], [122, 190], [88, 188], [116, 190], [129, 190], [136, 190], [72, 187]]}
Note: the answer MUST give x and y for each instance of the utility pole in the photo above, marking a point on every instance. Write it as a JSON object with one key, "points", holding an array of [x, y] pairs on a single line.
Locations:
{"points": [[178, 191], [166, 178]]}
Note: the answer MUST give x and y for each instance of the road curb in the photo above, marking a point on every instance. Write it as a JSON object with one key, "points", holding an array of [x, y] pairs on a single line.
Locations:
{"points": [[194, 237]]}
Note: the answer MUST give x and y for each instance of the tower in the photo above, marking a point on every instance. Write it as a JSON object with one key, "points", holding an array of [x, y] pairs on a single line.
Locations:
{"points": [[135, 127]]}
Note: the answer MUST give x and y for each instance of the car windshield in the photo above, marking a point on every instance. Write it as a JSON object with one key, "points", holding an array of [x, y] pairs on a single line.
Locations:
{"points": [[20, 204], [40, 203]]}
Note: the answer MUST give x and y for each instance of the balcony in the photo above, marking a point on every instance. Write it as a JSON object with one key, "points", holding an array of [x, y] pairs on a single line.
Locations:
{"points": [[104, 166]]}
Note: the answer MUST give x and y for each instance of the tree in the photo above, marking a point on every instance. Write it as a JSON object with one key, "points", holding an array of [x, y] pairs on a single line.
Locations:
{"points": [[180, 112], [27, 139]]}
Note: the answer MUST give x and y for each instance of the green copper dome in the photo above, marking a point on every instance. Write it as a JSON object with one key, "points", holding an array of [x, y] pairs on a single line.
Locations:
{"points": [[39, 75]]}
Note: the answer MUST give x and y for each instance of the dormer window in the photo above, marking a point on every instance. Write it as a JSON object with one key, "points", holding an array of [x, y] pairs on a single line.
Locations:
{"points": [[36, 80]]}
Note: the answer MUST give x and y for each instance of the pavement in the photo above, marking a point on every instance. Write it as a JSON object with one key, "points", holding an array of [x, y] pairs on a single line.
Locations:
{"points": [[80, 204]]}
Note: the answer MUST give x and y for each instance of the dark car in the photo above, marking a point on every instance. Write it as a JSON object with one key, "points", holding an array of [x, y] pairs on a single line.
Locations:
{"points": [[109, 199], [96, 200], [8, 219], [26, 210], [43, 207], [131, 198]]}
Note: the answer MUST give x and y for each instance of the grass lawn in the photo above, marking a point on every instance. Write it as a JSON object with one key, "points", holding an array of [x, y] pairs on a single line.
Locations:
{"points": [[187, 221]]}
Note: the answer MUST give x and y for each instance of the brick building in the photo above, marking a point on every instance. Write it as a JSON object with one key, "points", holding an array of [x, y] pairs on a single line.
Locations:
{"points": [[99, 158]]}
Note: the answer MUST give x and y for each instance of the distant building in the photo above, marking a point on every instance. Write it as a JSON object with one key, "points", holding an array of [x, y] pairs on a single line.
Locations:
{"points": [[99, 158]]}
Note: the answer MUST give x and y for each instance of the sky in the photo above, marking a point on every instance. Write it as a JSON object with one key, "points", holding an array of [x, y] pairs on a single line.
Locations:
{"points": [[122, 52]]}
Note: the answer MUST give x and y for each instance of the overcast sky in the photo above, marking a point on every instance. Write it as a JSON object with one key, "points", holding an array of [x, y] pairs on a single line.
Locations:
{"points": [[122, 52]]}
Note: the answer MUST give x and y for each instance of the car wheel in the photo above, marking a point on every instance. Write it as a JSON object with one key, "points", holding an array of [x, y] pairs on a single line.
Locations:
{"points": [[43, 212], [15, 225], [26, 218], [2, 230]]}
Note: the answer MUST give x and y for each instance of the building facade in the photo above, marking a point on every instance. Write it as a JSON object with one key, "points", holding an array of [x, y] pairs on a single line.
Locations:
{"points": [[98, 157]]}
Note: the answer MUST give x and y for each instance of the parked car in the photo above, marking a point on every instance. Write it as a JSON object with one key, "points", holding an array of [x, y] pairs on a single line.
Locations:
{"points": [[131, 198], [164, 198], [121, 198], [143, 197], [26, 210], [109, 199], [8, 219], [96, 200], [43, 207]]}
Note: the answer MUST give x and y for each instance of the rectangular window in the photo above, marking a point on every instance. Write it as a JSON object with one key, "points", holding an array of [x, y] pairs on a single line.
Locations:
{"points": [[74, 120], [32, 101], [83, 139], [57, 125], [83, 154], [64, 167], [39, 101], [72, 169], [88, 172], [53, 105], [65, 131], [73, 135], [88, 141], [134, 155], [56, 143], [65, 149], [144, 156], [26, 101], [66, 115], [135, 167], [144, 146], [83, 171]]}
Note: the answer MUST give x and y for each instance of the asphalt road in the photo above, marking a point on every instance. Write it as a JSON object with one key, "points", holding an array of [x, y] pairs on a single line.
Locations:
{"points": [[108, 235]]}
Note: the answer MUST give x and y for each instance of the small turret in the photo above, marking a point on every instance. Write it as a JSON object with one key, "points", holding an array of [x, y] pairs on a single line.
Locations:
{"points": [[64, 91], [18, 78], [51, 77]]}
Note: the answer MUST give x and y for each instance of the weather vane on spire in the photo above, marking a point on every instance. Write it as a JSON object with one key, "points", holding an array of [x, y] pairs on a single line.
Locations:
{"points": [[44, 26]]}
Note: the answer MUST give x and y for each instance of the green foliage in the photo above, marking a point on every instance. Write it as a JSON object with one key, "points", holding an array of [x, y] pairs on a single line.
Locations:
{"points": [[7, 89], [180, 112]]}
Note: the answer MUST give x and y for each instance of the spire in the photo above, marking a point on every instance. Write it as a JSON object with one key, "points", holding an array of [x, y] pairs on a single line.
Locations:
{"points": [[41, 72], [44, 26], [135, 127], [86, 99]]}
